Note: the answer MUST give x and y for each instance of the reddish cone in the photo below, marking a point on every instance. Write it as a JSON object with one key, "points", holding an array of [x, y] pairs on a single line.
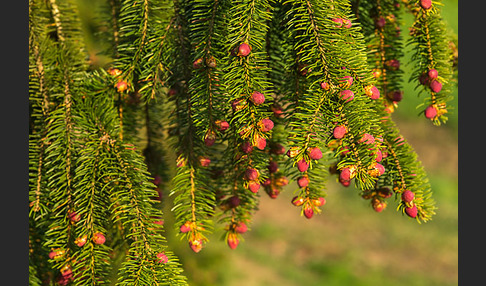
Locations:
{"points": [[315, 153], [347, 95], [319, 201], [411, 212], [378, 205], [257, 98], [430, 112], [114, 72], [277, 111], [204, 161], [121, 86], [272, 167], [196, 245], [379, 168], [347, 23], [367, 139], [171, 92], [261, 143], [66, 275], [297, 201], [266, 125], [325, 85], [211, 62], [238, 104], [308, 211], [241, 228], [339, 131], [222, 125], [233, 240], [338, 21], [234, 201], [244, 50], [66, 271], [251, 174], [407, 196], [181, 161], [345, 174], [55, 254], [372, 91], [395, 95], [80, 241], [157, 180], [209, 138], [302, 165], [380, 22], [426, 4], [432, 73], [393, 64], [303, 181], [162, 258], [99, 238], [186, 227], [246, 147], [292, 152], [254, 186], [74, 217], [379, 155], [197, 63], [267, 182], [347, 81], [273, 193], [345, 183], [436, 86]]}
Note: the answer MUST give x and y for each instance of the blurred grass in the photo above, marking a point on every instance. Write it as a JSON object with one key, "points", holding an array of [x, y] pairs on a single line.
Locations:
{"points": [[348, 244]]}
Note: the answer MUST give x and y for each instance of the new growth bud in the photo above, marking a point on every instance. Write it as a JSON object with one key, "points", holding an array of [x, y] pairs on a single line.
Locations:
{"points": [[302, 165], [347, 95], [257, 98], [315, 153], [244, 50]]}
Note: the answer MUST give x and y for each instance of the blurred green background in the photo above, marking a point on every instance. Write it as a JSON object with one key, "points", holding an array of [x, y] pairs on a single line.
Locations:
{"points": [[348, 243]]}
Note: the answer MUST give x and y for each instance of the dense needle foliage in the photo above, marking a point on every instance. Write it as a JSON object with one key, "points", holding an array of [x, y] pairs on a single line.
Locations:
{"points": [[240, 98]]}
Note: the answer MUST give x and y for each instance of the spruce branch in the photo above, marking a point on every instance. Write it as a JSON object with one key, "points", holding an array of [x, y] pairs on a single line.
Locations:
{"points": [[406, 173], [129, 194], [205, 85], [433, 68], [33, 276], [91, 207], [134, 19], [245, 73], [193, 198], [154, 76], [114, 13], [326, 82], [37, 141], [380, 21], [62, 137], [57, 20]]}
